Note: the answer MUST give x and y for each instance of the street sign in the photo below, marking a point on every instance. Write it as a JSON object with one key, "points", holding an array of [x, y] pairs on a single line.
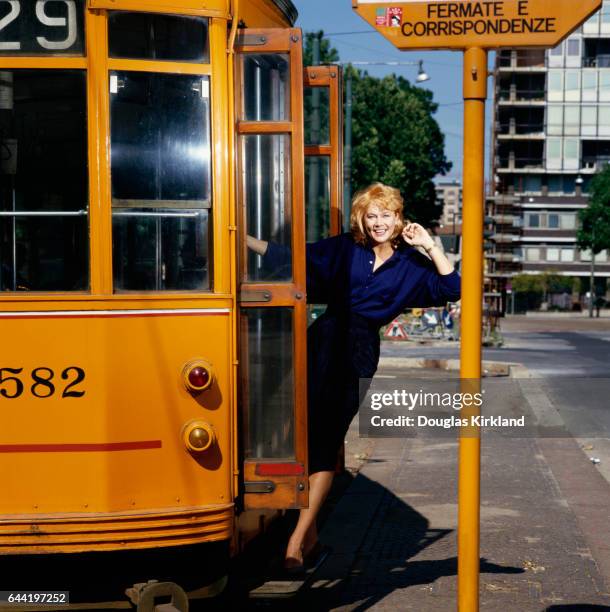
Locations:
{"points": [[486, 24]]}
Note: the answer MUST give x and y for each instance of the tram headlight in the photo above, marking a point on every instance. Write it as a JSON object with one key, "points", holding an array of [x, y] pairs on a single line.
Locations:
{"points": [[198, 436], [197, 375]]}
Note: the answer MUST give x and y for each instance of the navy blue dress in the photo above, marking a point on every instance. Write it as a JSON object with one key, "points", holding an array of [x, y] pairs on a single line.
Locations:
{"points": [[343, 343]]}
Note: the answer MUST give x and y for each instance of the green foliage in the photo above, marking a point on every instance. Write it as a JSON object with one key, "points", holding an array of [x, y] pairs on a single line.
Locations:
{"points": [[594, 232], [524, 283], [547, 282], [397, 141], [328, 54]]}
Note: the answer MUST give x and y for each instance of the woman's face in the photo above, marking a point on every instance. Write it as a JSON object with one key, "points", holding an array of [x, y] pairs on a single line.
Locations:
{"points": [[379, 223]]}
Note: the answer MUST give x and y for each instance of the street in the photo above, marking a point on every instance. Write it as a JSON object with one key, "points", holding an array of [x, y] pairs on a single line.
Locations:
{"points": [[547, 346]]}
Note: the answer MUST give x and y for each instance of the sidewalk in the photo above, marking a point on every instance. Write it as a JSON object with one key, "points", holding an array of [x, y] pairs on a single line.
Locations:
{"points": [[545, 534]]}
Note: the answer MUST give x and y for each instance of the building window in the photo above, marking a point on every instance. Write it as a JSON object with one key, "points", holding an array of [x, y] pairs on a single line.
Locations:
{"points": [[532, 220], [532, 254], [555, 84], [573, 46], [553, 152], [553, 221], [569, 184], [554, 184], [552, 254], [603, 121], [568, 221], [572, 85], [570, 154], [554, 120], [567, 254], [589, 121], [532, 183], [604, 86], [589, 85], [572, 120], [558, 50]]}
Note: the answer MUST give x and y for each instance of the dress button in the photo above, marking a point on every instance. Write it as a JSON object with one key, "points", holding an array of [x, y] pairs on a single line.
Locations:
{"points": [[371, 261]]}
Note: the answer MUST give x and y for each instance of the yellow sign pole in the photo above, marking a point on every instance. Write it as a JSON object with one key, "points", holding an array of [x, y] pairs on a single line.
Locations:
{"points": [[475, 93]]}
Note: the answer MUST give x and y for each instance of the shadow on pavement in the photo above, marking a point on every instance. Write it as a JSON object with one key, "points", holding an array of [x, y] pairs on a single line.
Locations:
{"points": [[375, 548], [577, 608]]}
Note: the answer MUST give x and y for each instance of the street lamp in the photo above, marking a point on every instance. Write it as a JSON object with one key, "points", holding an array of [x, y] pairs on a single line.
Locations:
{"points": [[422, 75]]}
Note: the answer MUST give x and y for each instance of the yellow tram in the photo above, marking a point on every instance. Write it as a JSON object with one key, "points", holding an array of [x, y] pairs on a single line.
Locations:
{"points": [[152, 372]]}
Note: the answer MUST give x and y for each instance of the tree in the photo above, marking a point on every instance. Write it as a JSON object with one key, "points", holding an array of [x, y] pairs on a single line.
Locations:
{"points": [[594, 232], [328, 54], [397, 141]]}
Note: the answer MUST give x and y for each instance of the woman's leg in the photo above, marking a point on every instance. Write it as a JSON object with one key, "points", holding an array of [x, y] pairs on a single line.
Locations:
{"points": [[305, 534]]}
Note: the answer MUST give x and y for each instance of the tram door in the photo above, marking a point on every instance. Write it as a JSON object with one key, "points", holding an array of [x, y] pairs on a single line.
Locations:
{"points": [[288, 199], [323, 151], [273, 316]]}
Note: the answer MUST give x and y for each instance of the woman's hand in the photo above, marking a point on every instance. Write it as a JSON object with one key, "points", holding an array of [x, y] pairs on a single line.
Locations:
{"points": [[256, 245], [415, 235]]}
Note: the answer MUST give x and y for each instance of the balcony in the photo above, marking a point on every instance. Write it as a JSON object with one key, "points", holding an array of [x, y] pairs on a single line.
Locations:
{"points": [[503, 238], [505, 257], [596, 61], [506, 219], [596, 53], [527, 60], [514, 129], [524, 164], [595, 155], [523, 97]]}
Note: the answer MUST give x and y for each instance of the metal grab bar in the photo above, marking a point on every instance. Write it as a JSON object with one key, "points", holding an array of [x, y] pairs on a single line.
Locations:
{"points": [[43, 213]]}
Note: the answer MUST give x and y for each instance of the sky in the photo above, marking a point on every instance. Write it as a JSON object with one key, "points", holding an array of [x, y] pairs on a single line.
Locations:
{"points": [[337, 17]]}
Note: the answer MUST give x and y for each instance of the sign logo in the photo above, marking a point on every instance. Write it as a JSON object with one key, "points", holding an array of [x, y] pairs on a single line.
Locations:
{"points": [[389, 17]]}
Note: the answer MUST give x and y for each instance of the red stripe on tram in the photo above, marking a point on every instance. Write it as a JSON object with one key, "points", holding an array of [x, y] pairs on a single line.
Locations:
{"points": [[80, 448], [279, 469]]}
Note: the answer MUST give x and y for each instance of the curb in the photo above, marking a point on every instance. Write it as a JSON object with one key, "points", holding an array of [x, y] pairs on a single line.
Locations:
{"points": [[490, 368]]}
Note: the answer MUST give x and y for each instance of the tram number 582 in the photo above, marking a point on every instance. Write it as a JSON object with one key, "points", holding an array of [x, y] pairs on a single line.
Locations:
{"points": [[67, 22], [41, 382]]}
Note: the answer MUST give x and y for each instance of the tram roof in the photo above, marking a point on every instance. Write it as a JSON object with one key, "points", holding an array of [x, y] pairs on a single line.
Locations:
{"points": [[288, 9]]}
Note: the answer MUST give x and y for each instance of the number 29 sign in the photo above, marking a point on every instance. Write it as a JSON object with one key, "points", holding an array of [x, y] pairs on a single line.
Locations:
{"points": [[42, 27]]}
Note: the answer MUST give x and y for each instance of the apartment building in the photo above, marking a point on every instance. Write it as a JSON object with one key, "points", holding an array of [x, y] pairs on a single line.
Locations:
{"points": [[449, 230], [551, 134]]}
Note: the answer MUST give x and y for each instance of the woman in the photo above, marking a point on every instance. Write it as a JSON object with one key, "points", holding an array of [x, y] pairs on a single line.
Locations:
{"points": [[367, 278]]}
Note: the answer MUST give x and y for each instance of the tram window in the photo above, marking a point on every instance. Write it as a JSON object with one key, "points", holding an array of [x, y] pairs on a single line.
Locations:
{"points": [[160, 249], [158, 37], [266, 175], [43, 181], [160, 165], [317, 115], [265, 87], [268, 400], [317, 197]]}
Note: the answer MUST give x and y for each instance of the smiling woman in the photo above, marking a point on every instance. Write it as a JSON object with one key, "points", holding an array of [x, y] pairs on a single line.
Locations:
{"points": [[366, 277]]}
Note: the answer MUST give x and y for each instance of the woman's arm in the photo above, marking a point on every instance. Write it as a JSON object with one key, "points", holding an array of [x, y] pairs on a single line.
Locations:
{"points": [[256, 245], [415, 235]]}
